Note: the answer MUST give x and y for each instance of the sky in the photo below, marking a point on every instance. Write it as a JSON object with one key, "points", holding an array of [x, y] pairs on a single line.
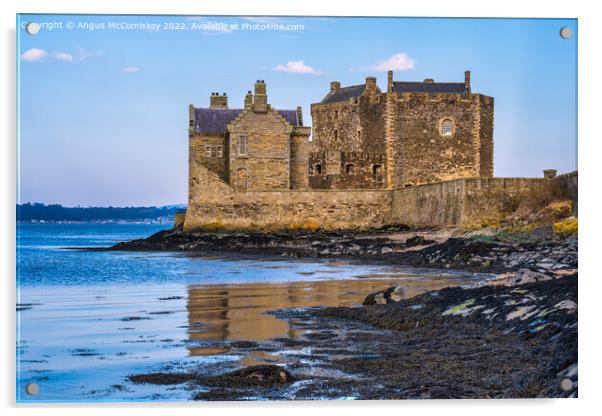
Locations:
{"points": [[103, 100]]}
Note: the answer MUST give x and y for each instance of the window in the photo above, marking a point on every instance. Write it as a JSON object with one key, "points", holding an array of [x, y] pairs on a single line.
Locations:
{"points": [[336, 114], [336, 134], [447, 127], [349, 169], [214, 150], [242, 144], [318, 169], [376, 170], [359, 134]]}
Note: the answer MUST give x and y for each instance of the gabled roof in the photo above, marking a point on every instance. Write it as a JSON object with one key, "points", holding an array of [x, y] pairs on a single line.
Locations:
{"points": [[216, 120]]}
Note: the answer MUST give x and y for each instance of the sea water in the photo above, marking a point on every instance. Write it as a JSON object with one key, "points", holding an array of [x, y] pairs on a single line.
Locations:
{"points": [[88, 319]]}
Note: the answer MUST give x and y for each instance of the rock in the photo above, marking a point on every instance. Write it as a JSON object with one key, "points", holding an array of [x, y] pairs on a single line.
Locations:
{"points": [[389, 295], [386, 250], [354, 248], [523, 276], [568, 305], [257, 375], [397, 294]]}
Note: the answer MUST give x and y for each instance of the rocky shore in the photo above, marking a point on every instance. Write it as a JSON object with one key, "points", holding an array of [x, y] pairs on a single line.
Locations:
{"points": [[512, 336], [486, 342], [483, 251]]}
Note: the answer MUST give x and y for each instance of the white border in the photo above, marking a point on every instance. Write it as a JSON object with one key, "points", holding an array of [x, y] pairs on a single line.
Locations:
{"points": [[590, 153]]}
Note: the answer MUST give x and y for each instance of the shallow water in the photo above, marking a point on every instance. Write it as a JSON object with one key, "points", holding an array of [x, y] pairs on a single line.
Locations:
{"points": [[86, 320]]}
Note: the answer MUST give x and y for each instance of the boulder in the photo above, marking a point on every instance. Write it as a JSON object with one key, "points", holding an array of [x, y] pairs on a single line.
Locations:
{"points": [[382, 297]]}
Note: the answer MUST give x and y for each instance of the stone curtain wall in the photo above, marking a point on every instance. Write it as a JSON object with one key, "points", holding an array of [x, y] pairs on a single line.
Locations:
{"points": [[569, 184], [215, 205], [459, 202]]}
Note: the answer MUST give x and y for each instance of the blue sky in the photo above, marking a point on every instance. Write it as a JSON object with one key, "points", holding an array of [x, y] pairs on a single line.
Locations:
{"points": [[103, 113]]}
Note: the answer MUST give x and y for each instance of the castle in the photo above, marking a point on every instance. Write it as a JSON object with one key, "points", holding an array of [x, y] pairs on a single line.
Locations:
{"points": [[260, 167]]}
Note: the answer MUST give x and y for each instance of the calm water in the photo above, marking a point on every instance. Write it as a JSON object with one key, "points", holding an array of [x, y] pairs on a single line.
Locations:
{"points": [[86, 320]]}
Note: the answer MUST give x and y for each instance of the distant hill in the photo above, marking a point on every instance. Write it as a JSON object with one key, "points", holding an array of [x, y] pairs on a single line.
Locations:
{"points": [[37, 212]]}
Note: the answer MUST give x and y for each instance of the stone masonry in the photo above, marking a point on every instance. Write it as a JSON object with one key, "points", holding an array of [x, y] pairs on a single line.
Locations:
{"points": [[417, 153]]}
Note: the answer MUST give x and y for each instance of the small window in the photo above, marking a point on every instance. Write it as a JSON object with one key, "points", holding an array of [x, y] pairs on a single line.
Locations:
{"points": [[220, 151], [359, 134], [447, 127], [336, 113], [318, 169], [242, 144], [207, 150], [336, 134], [376, 170], [349, 169]]}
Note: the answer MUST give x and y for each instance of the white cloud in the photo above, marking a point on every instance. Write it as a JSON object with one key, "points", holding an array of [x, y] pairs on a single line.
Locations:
{"points": [[398, 62], [34, 54], [297, 67], [130, 69], [62, 56], [83, 55]]}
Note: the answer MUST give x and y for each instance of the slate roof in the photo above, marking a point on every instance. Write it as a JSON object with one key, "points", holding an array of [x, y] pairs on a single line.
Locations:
{"points": [[344, 94], [353, 91], [216, 120], [433, 87]]}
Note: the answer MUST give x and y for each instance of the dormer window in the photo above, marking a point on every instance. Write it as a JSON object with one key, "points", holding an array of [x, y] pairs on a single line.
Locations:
{"points": [[447, 127]]}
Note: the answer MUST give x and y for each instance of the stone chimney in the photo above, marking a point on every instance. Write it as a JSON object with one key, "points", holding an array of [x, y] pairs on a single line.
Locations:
{"points": [[260, 101], [549, 173], [370, 84], [467, 82], [218, 101], [248, 100], [390, 81], [299, 116], [335, 86], [191, 119]]}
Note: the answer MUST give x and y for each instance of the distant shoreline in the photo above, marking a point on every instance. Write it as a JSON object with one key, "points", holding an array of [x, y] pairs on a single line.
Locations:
{"points": [[166, 221]]}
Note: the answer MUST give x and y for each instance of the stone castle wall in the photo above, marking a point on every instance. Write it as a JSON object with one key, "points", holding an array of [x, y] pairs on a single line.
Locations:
{"points": [[348, 142], [263, 163], [216, 205], [450, 203], [459, 202], [422, 154]]}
